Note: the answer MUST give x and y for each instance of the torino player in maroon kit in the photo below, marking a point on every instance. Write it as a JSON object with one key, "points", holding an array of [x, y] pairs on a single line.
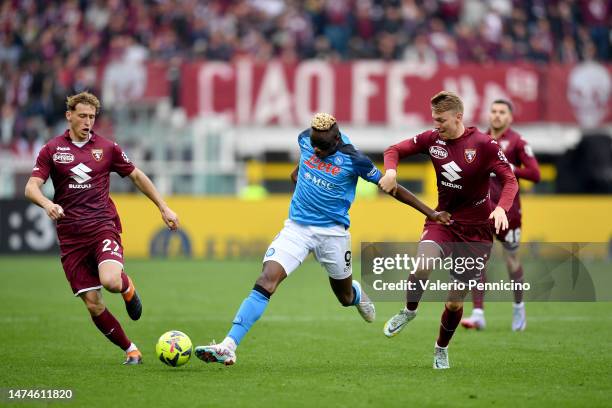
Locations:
{"points": [[525, 166], [79, 163], [463, 159]]}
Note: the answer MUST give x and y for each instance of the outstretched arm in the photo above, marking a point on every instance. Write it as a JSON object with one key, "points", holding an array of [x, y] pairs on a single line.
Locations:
{"points": [[145, 185], [35, 195], [393, 154], [404, 196], [368, 171]]}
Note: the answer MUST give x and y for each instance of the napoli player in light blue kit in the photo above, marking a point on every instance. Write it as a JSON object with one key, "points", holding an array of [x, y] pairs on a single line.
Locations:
{"points": [[318, 222]]}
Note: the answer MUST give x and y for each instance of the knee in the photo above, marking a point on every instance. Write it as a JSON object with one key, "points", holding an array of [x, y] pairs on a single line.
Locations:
{"points": [[111, 282], [267, 283], [453, 306], [272, 274], [94, 308]]}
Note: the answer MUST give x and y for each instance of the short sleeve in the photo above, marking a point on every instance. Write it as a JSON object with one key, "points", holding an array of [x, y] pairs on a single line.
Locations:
{"points": [[121, 163], [365, 169], [44, 161], [304, 140], [495, 155]]}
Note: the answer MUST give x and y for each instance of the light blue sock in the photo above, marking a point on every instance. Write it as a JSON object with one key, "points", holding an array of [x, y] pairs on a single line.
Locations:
{"points": [[250, 311], [356, 292]]}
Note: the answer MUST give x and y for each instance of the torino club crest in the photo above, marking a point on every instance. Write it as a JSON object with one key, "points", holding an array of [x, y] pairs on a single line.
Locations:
{"points": [[97, 154], [470, 155]]}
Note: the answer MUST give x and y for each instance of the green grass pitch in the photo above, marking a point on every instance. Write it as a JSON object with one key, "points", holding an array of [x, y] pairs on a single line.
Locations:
{"points": [[306, 350]]}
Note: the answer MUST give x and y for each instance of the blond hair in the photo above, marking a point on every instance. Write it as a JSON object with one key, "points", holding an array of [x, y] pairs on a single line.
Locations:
{"points": [[322, 121], [324, 125], [446, 101], [84, 98]]}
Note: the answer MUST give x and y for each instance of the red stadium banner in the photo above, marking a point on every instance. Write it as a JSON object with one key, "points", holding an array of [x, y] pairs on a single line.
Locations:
{"points": [[360, 93], [384, 93]]}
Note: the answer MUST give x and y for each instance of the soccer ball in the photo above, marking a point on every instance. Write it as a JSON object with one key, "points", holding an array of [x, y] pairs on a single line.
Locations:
{"points": [[174, 348]]}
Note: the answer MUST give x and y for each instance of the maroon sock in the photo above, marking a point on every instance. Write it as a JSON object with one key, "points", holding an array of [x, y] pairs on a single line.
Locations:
{"points": [[110, 327], [517, 276], [478, 295], [125, 282], [449, 322], [414, 296]]}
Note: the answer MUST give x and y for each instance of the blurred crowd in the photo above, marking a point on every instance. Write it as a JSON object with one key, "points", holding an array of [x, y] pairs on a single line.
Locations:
{"points": [[50, 48]]}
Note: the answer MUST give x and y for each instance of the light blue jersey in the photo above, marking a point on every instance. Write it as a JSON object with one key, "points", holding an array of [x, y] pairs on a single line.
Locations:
{"points": [[325, 188]]}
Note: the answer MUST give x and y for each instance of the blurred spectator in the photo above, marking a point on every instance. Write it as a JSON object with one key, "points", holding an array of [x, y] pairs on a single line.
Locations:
{"points": [[506, 51], [442, 42], [596, 15], [125, 74], [567, 51], [54, 47], [337, 25], [473, 12], [420, 52]]}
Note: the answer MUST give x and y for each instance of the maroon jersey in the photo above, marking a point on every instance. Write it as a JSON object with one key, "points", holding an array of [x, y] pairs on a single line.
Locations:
{"points": [[81, 177], [525, 165], [463, 168]]}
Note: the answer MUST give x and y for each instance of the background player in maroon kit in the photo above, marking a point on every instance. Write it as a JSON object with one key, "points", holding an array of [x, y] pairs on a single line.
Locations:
{"points": [[79, 163], [525, 165], [463, 159]]}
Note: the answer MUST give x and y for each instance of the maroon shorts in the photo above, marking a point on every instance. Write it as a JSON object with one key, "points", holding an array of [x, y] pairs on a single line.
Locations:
{"points": [[468, 245], [82, 255], [511, 237]]}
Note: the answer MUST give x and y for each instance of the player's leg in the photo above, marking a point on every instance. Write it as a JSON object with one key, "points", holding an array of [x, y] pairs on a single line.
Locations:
{"points": [[115, 280], [255, 304], [473, 248], [350, 293], [333, 252], [344, 291], [81, 272], [283, 256], [449, 321], [429, 251], [451, 316], [477, 319], [109, 326], [515, 273], [251, 309], [109, 256], [511, 240]]}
